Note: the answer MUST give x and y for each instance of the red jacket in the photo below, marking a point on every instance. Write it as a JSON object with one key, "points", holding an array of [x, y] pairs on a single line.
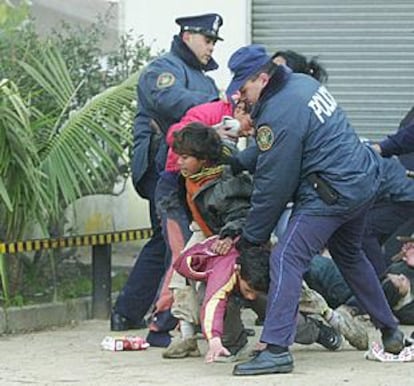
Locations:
{"points": [[208, 113], [218, 272]]}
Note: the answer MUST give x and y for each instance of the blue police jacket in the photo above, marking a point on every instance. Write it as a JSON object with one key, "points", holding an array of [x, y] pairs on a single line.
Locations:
{"points": [[167, 88], [401, 142], [395, 185], [301, 130], [407, 156]]}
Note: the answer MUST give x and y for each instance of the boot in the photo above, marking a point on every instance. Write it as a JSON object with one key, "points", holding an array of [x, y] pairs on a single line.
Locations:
{"points": [[182, 348], [353, 330]]}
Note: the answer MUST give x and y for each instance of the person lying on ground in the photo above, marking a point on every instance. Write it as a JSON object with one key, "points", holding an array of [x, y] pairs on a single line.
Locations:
{"points": [[397, 283]]}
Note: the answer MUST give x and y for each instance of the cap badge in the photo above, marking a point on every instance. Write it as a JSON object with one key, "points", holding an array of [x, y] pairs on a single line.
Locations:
{"points": [[216, 24]]}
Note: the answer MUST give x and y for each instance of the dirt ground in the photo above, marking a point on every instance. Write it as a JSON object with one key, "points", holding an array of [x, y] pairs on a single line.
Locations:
{"points": [[72, 355]]}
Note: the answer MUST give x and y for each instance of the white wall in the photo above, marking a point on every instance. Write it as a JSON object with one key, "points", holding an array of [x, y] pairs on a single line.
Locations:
{"points": [[154, 20], [107, 213]]}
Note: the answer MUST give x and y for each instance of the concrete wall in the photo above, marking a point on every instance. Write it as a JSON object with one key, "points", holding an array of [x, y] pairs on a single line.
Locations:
{"points": [[49, 15], [107, 213]]}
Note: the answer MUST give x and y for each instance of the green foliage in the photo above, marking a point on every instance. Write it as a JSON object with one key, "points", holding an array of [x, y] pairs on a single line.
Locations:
{"points": [[80, 286], [3, 280], [17, 301], [66, 110], [119, 278], [44, 172], [56, 135], [87, 63], [13, 16], [81, 49]]}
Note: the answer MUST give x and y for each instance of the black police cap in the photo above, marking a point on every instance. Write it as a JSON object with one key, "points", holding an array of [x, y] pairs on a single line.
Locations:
{"points": [[207, 24]]}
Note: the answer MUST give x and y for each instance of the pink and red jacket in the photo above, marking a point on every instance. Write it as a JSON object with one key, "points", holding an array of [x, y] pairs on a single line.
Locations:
{"points": [[218, 272], [208, 113]]}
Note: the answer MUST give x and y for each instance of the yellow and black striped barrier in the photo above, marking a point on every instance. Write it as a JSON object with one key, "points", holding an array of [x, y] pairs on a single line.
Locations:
{"points": [[101, 258], [75, 241]]}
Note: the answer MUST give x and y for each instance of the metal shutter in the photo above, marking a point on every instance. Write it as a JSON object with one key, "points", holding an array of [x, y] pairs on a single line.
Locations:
{"points": [[367, 47]]}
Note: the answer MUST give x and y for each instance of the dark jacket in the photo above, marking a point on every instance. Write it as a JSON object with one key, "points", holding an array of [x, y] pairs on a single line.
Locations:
{"points": [[167, 88], [224, 202], [301, 131], [402, 142], [395, 185], [404, 314]]}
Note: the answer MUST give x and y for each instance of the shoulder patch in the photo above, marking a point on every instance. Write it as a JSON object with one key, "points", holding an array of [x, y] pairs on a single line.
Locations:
{"points": [[265, 138], [166, 79]]}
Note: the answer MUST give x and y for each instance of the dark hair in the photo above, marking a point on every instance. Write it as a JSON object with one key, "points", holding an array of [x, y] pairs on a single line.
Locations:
{"points": [[254, 267], [198, 140], [299, 63]]}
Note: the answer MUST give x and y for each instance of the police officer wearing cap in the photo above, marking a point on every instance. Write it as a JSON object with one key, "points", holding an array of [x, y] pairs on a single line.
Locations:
{"points": [[309, 154], [167, 88]]}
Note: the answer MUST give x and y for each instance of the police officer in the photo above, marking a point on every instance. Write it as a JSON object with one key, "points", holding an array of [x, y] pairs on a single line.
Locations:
{"points": [[308, 153], [392, 214], [167, 88], [401, 143]]}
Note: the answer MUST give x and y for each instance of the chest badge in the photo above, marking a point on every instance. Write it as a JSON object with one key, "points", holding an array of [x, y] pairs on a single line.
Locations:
{"points": [[265, 138], [166, 79]]}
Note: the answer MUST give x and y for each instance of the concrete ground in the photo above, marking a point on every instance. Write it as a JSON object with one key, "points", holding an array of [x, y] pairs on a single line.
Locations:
{"points": [[72, 355]]}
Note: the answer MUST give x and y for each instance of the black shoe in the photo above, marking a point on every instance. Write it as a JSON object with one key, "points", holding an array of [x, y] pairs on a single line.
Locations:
{"points": [[392, 340], [120, 323], [266, 363], [328, 337]]}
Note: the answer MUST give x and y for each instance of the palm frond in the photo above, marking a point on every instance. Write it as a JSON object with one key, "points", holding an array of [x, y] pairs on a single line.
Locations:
{"points": [[77, 158], [4, 196], [19, 162], [42, 174], [51, 74]]}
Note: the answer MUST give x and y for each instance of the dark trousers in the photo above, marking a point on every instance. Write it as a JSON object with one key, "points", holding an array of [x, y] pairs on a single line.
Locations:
{"points": [[143, 282], [234, 337], [305, 236], [383, 221], [176, 232], [307, 328], [324, 277], [172, 211]]}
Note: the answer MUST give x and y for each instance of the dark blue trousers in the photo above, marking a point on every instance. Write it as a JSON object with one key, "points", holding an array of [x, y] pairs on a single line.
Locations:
{"points": [[325, 278], [171, 206], [383, 221], [143, 282], [170, 199], [305, 237]]}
